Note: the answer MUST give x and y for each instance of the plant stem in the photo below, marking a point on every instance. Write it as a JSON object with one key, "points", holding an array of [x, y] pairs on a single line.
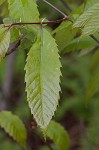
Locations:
{"points": [[8, 81], [94, 38], [68, 7], [12, 49], [58, 10], [55, 8], [37, 23], [48, 22]]}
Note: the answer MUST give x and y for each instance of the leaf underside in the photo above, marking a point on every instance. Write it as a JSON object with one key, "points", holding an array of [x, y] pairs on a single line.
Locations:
{"points": [[42, 79]]}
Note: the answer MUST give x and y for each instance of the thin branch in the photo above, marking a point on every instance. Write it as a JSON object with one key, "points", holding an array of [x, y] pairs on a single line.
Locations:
{"points": [[94, 38], [41, 33], [37, 23], [95, 48], [65, 17], [55, 8], [12, 49], [58, 10], [68, 7], [8, 81]]}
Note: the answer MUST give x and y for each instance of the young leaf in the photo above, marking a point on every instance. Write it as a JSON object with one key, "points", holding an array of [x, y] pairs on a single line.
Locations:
{"points": [[13, 126], [59, 135], [4, 42], [42, 79], [89, 20]]}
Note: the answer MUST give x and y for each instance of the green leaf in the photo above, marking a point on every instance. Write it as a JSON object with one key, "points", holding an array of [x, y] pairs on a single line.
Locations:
{"points": [[13, 126], [42, 79], [59, 135], [14, 34], [89, 20], [26, 10], [80, 43], [62, 26], [64, 34], [4, 10], [8, 21], [4, 42], [90, 3], [28, 39]]}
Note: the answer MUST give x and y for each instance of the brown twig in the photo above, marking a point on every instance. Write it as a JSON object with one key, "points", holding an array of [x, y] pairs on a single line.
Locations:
{"points": [[68, 7], [8, 81], [94, 38], [55, 8], [58, 10], [37, 23], [12, 49], [65, 17]]}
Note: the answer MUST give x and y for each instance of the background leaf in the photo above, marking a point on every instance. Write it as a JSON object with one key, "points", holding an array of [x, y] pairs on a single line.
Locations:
{"points": [[89, 20], [64, 34], [13, 126], [59, 135], [90, 3], [4, 42], [80, 43]]}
